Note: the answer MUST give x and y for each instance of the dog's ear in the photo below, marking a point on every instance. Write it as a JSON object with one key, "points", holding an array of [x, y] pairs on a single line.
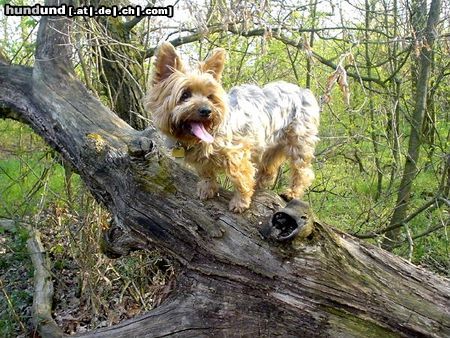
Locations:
{"points": [[215, 63], [166, 63]]}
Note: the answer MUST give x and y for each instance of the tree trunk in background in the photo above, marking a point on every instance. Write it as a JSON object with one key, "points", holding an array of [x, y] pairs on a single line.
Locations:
{"points": [[309, 60], [410, 170], [418, 9], [429, 123], [121, 71], [230, 281], [372, 112], [395, 83]]}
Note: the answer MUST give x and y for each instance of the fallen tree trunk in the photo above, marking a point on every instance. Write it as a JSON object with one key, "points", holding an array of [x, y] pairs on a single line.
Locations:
{"points": [[231, 281]]}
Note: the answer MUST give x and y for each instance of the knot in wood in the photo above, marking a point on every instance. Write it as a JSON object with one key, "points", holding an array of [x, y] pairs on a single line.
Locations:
{"points": [[140, 147], [294, 221]]}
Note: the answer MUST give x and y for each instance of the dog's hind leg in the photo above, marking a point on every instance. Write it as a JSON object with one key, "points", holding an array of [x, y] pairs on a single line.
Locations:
{"points": [[269, 165], [302, 174]]}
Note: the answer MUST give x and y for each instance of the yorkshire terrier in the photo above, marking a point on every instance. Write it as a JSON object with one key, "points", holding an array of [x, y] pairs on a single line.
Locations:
{"points": [[247, 134]]}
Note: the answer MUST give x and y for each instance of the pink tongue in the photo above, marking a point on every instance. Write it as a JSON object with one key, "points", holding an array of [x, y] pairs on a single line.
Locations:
{"points": [[199, 130]]}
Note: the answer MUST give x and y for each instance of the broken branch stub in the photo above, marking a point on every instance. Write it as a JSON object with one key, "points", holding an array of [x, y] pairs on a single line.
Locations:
{"points": [[294, 221]]}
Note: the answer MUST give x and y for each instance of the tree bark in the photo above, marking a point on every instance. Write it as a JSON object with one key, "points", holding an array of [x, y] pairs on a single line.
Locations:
{"points": [[231, 281]]}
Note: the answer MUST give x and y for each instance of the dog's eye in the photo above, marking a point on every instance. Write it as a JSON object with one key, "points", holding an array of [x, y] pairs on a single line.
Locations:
{"points": [[210, 97], [186, 94]]}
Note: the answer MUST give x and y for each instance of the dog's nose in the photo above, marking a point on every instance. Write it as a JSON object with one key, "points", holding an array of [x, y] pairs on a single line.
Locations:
{"points": [[204, 111]]}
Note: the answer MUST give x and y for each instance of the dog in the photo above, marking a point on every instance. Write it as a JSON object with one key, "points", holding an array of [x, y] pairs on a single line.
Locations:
{"points": [[247, 133]]}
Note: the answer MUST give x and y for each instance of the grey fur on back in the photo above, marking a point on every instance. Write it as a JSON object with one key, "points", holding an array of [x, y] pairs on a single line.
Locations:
{"points": [[267, 112]]}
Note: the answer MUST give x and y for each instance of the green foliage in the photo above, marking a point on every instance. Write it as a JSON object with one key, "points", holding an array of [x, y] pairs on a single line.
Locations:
{"points": [[28, 168]]}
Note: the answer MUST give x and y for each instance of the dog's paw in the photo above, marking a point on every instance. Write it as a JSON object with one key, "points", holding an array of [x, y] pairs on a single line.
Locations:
{"points": [[290, 194], [239, 204], [207, 189]]}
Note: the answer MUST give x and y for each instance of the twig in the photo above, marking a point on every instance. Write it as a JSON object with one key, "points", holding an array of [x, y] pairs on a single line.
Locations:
{"points": [[129, 25], [3, 59], [11, 307], [444, 200], [423, 234], [434, 200], [410, 242], [276, 34]]}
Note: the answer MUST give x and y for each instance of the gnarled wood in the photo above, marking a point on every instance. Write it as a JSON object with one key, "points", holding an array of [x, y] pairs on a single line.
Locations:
{"points": [[231, 282], [43, 288]]}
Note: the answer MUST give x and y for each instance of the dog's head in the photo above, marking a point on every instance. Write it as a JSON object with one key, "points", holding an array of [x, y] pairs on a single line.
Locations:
{"points": [[187, 105]]}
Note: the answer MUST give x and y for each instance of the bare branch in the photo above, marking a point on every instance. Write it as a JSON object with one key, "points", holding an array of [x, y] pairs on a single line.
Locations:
{"points": [[417, 212], [427, 232], [129, 25], [276, 34]]}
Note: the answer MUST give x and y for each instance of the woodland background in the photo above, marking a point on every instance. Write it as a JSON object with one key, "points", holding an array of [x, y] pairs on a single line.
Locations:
{"points": [[382, 165]]}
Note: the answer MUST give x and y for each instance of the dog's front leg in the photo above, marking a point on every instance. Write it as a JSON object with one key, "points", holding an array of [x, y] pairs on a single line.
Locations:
{"points": [[207, 187], [241, 172]]}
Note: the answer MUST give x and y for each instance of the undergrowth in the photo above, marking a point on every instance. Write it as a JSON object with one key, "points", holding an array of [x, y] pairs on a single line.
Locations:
{"points": [[37, 190]]}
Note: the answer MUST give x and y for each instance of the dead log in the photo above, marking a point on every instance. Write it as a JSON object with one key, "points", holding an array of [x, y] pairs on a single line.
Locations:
{"points": [[43, 288], [43, 285], [231, 281]]}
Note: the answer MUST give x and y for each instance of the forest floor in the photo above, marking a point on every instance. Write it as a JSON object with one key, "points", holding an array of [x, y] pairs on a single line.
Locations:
{"points": [[84, 299]]}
